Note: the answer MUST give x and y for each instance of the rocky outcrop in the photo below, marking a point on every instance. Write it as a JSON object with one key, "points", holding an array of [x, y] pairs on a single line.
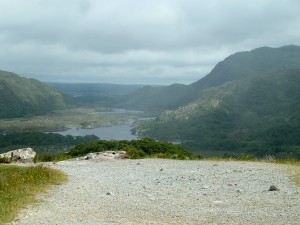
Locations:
{"points": [[23, 155], [107, 155]]}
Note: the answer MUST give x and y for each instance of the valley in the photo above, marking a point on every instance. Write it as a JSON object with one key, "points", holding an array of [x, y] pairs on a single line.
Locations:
{"points": [[247, 106], [150, 112], [61, 120]]}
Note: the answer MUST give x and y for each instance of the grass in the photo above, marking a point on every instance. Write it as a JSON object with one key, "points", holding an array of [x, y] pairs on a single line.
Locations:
{"points": [[294, 175], [20, 184]]}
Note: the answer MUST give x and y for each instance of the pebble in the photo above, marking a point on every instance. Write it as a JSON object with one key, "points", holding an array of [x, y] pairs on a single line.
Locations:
{"points": [[273, 188]]}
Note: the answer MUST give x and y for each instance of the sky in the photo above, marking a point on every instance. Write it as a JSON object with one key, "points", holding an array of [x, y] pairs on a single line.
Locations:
{"points": [[137, 41]]}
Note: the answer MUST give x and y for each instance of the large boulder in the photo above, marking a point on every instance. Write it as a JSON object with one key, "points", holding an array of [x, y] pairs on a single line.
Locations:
{"points": [[23, 155]]}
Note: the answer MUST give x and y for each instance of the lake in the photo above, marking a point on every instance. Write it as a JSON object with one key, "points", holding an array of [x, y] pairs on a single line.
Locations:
{"points": [[116, 132]]}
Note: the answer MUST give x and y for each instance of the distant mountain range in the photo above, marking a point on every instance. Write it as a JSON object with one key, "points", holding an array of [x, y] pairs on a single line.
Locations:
{"points": [[250, 103], [239, 66], [94, 89], [20, 96]]}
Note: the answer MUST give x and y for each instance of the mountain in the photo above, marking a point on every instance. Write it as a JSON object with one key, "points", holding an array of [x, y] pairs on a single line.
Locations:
{"points": [[249, 103], [244, 65], [239, 66], [20, 96]]}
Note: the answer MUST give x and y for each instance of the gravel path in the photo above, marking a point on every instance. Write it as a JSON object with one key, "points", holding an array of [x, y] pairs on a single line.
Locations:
{"points": [[158, 191]]}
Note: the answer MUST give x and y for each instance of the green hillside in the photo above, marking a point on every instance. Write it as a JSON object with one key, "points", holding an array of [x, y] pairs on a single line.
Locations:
{"points": [[20, 96], [245, 65], [255, 108], [239, 66]]}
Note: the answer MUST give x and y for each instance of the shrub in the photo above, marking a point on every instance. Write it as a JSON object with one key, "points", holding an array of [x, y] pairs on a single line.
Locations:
{"points": [[133, 153], [136, 149], [5, 160]]}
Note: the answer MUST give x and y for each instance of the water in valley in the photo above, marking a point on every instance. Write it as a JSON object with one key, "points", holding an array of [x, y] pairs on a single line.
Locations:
{"points": [[116, 132]]}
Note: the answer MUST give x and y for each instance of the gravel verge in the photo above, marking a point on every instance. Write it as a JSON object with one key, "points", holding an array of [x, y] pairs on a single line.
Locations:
{"points": [[159, 191]]}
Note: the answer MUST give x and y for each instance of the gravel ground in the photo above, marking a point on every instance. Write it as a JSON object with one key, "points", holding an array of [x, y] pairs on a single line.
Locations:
{"points": [[158, 191]]}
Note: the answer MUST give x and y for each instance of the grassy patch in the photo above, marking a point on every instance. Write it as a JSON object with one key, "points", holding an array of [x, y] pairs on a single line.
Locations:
{"points": [[19, 185], [293, 171], [295, 175]]}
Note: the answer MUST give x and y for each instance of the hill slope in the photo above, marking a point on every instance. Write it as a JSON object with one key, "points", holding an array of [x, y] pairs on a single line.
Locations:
{"points": [[21, 96], [245, 65], [253, 109], [239, 66]]}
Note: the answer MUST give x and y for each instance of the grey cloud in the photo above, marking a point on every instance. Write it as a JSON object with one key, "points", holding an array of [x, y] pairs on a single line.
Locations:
{"points": [[137, 41]]}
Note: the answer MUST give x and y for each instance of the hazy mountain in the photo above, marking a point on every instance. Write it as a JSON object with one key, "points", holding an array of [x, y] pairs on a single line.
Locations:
{"points": [[20, 96], [250, 102], [96, 94], [155, 99], [94, 89]]}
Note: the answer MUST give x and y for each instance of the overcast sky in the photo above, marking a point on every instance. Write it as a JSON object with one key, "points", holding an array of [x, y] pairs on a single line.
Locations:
{"points": [[137, 41]]}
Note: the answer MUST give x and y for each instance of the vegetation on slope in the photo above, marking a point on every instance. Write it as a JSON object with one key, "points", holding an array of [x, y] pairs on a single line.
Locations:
{"points": [[136, 149], [239, 66], [42, 142], [256, 112], [21, 96], [250, 64], [19, 185]]}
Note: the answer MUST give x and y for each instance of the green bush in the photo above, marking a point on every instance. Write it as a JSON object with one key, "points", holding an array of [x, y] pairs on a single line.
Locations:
{"points": [[136, 149], [133, 153], [5, 160]]}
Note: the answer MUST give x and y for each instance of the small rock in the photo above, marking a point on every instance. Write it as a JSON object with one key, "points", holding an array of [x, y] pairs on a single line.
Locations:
{"points": [[138, 163], [108, 193], [90, 156], [273, 188], [217, 202], [161, 169]]}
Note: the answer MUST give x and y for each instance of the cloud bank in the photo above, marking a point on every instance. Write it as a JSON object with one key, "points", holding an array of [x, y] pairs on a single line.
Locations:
{"points": [[131, 41]]}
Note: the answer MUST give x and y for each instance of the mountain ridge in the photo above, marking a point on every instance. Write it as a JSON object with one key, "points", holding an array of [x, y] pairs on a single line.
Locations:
{"points": [[231, 68], [255, 102], [21, 96]]}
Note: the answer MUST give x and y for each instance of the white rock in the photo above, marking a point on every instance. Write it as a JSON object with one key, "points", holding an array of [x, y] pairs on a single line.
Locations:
{"points": [[20, 155]]}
